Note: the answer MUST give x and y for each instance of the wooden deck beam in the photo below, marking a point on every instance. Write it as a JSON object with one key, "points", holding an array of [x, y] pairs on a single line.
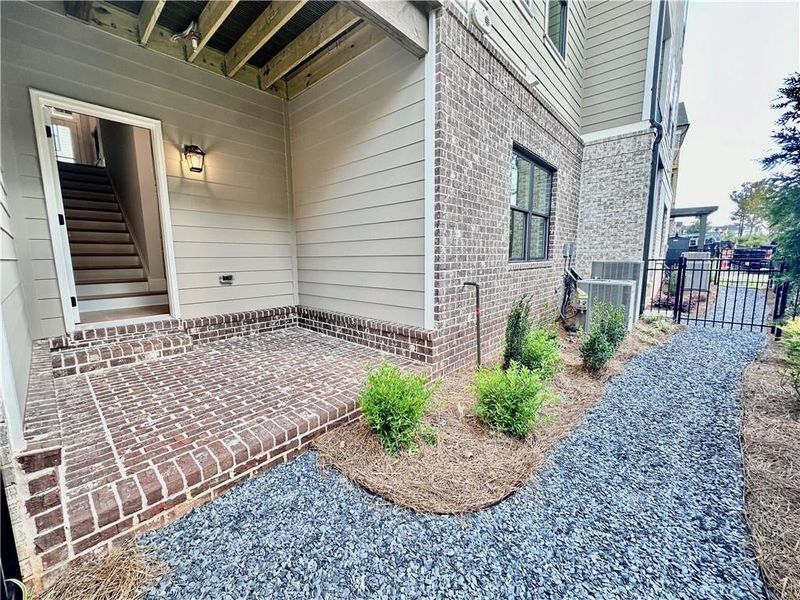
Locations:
{"points": [[148, 17], [323, 31], [399, 19], [338, 54], [268, 23], [213, 15]]}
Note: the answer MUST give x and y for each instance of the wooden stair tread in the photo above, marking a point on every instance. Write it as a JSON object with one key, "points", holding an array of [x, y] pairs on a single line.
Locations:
{"points": [[110, 267], [125, 295], [103, 281]]}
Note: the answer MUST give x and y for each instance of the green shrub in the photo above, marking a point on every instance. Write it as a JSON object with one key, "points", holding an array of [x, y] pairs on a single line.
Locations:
{"points": [[509, 400], [393, 404], [612, 322], [790, 340], [517, 327], [657, 323], [596, 349], [541, 354]]}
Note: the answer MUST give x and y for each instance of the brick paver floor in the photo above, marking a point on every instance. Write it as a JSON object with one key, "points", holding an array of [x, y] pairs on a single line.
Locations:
{"points": [[144, 438]]}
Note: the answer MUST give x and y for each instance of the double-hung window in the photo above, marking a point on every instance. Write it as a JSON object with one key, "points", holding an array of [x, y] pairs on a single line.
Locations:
{"points": [[531, 194], [556, 24]]}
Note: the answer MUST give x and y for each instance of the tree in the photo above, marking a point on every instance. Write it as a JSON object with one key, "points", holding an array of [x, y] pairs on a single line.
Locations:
{"points": [[692, 228], [750, 200], [783, 204]]}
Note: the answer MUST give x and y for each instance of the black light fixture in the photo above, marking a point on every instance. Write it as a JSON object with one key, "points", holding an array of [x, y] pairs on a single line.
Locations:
{"points": [[195, 157]]}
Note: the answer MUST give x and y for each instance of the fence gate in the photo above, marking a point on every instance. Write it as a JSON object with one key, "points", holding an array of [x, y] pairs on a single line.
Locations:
{"points": [[719, 292]]}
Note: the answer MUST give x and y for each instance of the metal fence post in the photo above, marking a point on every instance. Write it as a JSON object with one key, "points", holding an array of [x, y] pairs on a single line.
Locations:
{"points": [[678, 304]]}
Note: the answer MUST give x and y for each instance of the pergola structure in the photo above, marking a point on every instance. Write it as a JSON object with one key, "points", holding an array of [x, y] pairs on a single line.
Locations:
{"points": [[280, 47], [700, 212]]}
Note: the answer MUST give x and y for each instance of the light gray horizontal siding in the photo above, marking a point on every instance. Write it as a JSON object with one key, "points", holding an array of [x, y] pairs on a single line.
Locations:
{"points": [[15, 318], [235, 213], [616, 63], [521, 37], [357, 179]]}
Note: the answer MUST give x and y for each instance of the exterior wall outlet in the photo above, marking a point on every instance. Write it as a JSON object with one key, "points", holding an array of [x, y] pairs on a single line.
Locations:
{"points": [[226, 278]]}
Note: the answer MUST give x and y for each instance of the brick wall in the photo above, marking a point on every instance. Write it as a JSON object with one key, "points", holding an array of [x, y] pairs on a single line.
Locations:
{"points": [[614, 188], [483, 107]]}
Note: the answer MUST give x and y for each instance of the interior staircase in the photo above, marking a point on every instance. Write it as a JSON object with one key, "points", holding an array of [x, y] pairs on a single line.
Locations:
{"points": [[109, 275]]}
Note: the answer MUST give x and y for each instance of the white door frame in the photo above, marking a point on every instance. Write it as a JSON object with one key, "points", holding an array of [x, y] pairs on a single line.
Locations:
{"points": [[40, 101]]}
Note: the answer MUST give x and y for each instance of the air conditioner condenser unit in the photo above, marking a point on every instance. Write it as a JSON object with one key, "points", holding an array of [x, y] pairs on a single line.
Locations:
{"points": [[593, 292]]}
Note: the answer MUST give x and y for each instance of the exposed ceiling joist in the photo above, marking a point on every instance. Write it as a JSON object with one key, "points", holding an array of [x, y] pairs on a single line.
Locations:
{"points": [[122, 24], [148, 17], [268, 23], [80, 9], [341, 52], [213, 15], [323, 31], [399, 19]]}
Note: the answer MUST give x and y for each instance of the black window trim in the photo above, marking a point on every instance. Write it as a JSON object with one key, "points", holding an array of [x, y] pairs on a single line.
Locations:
{"points": [[544, 165]]}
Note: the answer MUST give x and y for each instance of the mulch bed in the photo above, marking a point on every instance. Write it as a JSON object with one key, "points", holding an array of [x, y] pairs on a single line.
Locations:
{"points": [[771, 442], [472, 467]]}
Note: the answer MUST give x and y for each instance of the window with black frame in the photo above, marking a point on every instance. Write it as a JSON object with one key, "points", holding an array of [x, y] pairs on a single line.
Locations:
{"points": [[531, 195]]}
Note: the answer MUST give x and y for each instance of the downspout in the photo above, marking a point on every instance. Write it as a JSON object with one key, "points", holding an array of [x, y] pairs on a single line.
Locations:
{"points": [[654, 155]]}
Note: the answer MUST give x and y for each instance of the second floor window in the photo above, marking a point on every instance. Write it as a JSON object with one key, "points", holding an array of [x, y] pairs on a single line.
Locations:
{"points": [[556, 28], [531, 193]]}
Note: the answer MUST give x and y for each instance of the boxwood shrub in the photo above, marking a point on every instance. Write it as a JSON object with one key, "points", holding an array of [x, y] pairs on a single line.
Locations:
{"points": [[509, 400], [393, 404]]}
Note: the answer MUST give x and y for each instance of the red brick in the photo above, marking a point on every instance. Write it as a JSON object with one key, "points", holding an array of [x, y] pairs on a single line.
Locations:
{"points": [[42, 483], [81, 519], [151, 486], [50, 519], [39, 504], [106, 506], [50, 539], [130, 496], [55, 557]]}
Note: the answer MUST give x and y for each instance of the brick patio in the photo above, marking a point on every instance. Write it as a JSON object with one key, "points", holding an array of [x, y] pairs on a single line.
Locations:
{"points": [[144, 442]]}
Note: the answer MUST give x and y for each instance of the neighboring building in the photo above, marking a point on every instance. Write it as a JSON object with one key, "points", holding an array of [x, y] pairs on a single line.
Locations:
{"points": [[362, 161], [634, 53]]}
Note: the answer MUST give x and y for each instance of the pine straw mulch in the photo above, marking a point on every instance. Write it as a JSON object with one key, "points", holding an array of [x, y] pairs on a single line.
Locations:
{"points": [[126, 573], [471, 467], [771, 443]]}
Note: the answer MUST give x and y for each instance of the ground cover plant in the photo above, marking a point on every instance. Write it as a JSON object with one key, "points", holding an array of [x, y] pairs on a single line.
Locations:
{"points": [[393, 404], [472, 466]]}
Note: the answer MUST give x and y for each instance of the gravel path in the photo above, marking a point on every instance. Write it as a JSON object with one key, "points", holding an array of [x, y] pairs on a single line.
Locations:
{"points": [[747, 307], [643, 502]]}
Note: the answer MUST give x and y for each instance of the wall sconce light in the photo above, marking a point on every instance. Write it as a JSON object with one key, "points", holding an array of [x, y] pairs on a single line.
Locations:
{"points": [[195, 157]]}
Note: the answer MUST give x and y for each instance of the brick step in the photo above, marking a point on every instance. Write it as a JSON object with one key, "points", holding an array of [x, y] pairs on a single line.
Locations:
{"points": [[75, 360]]}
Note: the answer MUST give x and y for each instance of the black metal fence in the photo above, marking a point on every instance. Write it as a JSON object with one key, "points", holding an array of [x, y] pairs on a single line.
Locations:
{"points": [[715, 292], [787, 304]]}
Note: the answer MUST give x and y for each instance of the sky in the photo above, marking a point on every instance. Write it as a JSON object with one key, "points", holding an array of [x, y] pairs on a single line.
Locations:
{"points": [[736, 55]]}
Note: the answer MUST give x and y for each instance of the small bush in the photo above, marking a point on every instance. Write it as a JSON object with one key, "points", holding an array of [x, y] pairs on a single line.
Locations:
{"points": [[658, 323], [518, 326], [612, 323], [596, 349], [790, 340], [509, 400], [541, 354], [393, 404]]}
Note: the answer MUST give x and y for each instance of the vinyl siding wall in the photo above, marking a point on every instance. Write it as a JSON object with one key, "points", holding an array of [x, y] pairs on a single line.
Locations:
{"points": [[15, 318], [233, 217], [519, 34], [357, 179], [616, 63]]}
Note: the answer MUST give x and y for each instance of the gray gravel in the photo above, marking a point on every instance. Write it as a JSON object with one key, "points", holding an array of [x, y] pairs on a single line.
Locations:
{"points": [[644, 501]]}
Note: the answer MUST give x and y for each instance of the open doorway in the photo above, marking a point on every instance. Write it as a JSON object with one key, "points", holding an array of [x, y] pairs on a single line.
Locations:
{"points": [[101, 174]]}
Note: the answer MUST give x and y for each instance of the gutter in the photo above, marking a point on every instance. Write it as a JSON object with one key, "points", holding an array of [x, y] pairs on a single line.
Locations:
{"points": [[654, 155]]}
